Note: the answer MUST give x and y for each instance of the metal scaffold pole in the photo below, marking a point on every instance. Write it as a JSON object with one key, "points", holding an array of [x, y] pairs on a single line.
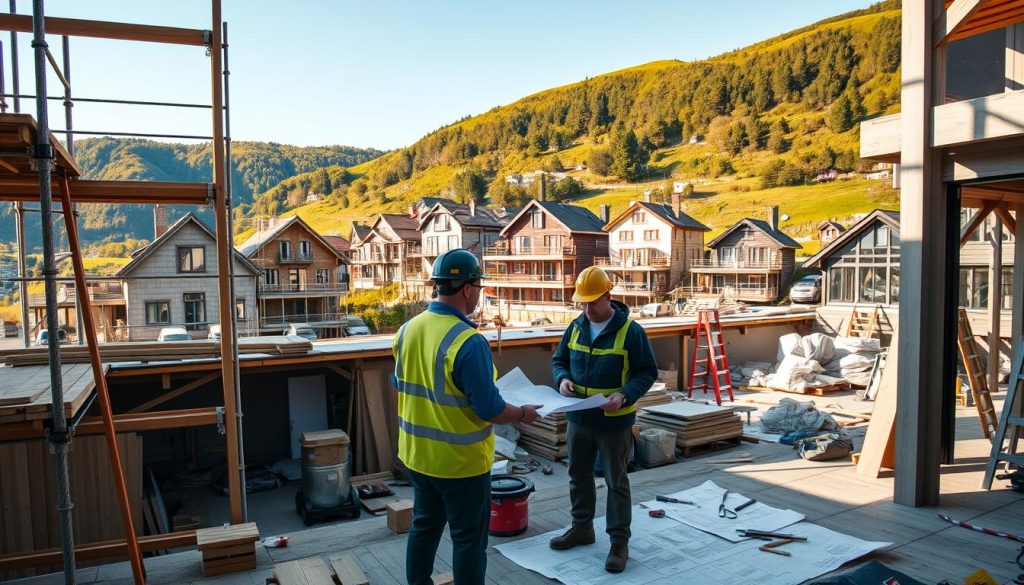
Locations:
{"points": [[59, 437]]}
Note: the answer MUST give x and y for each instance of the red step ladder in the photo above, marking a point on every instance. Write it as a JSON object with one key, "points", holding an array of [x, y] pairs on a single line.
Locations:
{"points": [[709, 367]]}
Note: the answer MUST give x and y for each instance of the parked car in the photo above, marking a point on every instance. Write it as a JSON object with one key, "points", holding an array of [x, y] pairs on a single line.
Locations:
{"points": [[173, 334], [656, 310], [355, 326], [807, 290], [302, 330], [214, 333], [43, 337]]}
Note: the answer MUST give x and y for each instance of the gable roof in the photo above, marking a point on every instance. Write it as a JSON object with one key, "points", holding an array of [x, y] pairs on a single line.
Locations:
{"points": [[139, 256], [829, 222], [359, 233], [665, 212], [484, 217], [405, 227], [337, 242], [257, 241], [888, 217], [759, 224], [574, 218]]}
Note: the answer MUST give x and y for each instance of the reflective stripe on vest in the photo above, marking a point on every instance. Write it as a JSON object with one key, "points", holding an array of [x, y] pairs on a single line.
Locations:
{"points": [[439, 434], [618, 348]]}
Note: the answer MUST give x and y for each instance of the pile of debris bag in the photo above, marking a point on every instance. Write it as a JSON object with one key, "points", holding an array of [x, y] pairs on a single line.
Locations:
{"points": [[814, 360], [814, 434]]}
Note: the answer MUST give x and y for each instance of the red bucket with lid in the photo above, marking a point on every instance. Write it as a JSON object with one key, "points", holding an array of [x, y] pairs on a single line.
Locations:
{"points": [[510, 508]]}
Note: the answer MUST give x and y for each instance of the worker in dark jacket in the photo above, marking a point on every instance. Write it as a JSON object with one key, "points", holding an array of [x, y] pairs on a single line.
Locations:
{"points": [[604, 352]]}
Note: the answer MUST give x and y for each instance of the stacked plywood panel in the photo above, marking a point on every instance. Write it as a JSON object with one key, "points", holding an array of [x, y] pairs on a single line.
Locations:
{"points": [[228, 549], [545, 437], [694, 423]]}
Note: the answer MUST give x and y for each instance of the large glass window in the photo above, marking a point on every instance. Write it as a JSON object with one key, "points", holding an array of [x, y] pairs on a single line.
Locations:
{"points": [[158, 312], [195, 309], [973, 287], [191, 259], [841, 285], [872, 285]]}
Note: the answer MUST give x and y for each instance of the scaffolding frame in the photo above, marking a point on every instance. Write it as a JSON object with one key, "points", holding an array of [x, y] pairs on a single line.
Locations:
{"points": [[36, 152]]}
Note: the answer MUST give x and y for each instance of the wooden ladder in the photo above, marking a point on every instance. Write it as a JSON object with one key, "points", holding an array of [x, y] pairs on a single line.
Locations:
{"points": [[1010, 423], [862, 323], [975, 369], [709, 355]]}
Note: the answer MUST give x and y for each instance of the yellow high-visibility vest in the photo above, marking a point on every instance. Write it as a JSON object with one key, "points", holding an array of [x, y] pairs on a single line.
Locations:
{"points": [[439, 434], [618, 348]]}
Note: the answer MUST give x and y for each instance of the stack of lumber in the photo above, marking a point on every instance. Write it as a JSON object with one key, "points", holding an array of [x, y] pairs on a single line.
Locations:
{"points": [[655, 396], [373, 421], [694, 423], [344, 570], [228, 549], [724, 305], [28, 491], [545, 437], [146, 351], [25, 393]]}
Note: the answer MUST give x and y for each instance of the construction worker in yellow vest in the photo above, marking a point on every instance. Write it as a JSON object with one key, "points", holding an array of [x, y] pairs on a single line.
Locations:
{"points": [[604, 352], [447, 401]]}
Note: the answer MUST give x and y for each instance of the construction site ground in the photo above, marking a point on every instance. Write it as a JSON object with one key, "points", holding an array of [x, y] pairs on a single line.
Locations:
{"points": [[830, 494]]}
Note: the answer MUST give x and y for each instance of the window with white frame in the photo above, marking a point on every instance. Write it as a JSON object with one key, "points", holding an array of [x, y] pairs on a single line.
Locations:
{"points": [[537, 219], [158, 312], [626, 236]]}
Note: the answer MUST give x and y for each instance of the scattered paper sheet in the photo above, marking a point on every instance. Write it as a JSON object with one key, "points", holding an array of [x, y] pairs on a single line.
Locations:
{"points": [[517, 389], [704, 515], [663, 551]]}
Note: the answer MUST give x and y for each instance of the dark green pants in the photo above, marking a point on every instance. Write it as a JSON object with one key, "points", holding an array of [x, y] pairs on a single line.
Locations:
{"points": [[613, 446], [465, 505]]}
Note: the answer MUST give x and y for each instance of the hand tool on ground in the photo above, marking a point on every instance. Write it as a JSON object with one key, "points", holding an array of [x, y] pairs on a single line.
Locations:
{"points": [[672, 500], [656, 513], [724, 512], [772, 546], [745, 504], [751, 533]]}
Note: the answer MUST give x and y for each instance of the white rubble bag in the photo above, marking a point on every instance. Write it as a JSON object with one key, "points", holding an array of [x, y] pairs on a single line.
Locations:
{"points": [[657, 447]]}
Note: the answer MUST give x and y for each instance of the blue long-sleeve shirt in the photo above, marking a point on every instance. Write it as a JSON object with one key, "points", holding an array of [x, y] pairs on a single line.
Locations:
{"points": [[473, 372]]}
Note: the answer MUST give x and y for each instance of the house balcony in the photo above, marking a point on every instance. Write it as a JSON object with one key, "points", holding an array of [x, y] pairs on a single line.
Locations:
{"points": [[739, 292], [530, 252], [531, 279], [414, 250], [304, 289], [292, 258], [314, 319], [100, 293], [620, 263], [368, 282], [639, 289], [417, 275], [719, 265]]}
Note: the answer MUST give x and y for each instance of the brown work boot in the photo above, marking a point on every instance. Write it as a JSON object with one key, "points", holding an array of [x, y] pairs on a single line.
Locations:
{"points": [[617, 556], [572, 537]]}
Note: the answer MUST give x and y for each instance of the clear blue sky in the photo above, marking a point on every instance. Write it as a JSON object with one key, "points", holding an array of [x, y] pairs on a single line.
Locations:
{"points": [[384, 73]]}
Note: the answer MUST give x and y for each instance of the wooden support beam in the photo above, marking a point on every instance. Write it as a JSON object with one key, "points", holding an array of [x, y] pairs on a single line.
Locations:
{"points": [[174, 393], [124, 423], [96, 550], [976, 220], [165, 381], [123, 31], [340, 371], [950, 20], [89, 191], [1003, 211]]}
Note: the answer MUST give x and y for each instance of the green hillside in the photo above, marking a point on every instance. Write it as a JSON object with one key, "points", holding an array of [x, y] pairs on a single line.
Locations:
{"points": [[750, 127]]}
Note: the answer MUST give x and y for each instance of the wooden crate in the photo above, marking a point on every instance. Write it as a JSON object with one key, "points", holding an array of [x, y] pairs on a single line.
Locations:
{"points": [[228, 549]]}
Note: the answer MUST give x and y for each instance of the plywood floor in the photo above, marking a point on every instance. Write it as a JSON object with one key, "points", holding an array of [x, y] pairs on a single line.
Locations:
{"points": [[830, 494]]}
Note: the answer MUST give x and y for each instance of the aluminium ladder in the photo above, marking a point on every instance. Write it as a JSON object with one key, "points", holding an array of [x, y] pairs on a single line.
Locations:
{"points": [[709, 355], [1010, 423]]}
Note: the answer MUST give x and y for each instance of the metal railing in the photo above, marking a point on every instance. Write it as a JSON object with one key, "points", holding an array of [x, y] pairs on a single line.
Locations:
{"points": [[311, 287], [775, 263], [639, 287], [98, 292], [506, 277], [740, 291], [299, 258], [311, 318], [531, 250], [625, 263]]}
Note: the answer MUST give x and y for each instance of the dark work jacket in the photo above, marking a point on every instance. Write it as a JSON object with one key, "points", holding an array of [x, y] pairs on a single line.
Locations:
{"points": [[605, 371]]}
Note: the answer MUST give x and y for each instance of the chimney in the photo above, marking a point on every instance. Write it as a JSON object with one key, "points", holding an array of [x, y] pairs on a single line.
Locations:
{"points": [[543, 188], [606, 212], [647, 195], [413, 211], [159, 221], [677, 202], [472, 208], [773, 217]]}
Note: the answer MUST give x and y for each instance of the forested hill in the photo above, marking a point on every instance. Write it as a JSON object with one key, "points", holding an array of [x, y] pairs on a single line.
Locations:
{"points": [[256, 167], [792, 101]]}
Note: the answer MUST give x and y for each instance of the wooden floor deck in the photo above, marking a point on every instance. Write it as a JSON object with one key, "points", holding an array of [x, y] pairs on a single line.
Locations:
{"points": [[829, 493]]}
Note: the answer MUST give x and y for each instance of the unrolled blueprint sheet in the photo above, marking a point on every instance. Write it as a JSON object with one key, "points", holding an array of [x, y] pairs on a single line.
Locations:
{"points": [[704, 516], [517, 389], [663, 551]]}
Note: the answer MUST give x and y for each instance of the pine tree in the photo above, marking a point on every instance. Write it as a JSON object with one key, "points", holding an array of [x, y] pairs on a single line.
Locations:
{"points": [[627, 157], [840, 116]]}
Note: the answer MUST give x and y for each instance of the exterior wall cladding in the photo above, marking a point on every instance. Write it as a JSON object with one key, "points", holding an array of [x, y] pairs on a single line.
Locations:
{"points": [[172, 288]]}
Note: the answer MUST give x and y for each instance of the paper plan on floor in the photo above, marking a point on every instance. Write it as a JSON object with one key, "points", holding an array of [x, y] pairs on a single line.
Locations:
{"points": [[704, 515], [517, 389], [663, 551]]}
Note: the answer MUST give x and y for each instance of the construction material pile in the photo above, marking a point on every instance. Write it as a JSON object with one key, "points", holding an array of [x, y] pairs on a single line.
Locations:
{"points": [[159, 351], [791, 416], [818, 361], [693, 423]]}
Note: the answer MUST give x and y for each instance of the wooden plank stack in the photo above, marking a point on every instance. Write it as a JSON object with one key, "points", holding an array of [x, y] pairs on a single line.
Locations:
{"points": [[28, 492], [18, 386], [344, 570], [694, 423], [228, 549], [373, 412], [655, 396], [545, 437], [159, 351]]}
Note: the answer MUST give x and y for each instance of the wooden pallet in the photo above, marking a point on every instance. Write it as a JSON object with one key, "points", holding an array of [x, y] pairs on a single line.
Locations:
{"points": [[807, 390], [711, 447], [344, 570]]}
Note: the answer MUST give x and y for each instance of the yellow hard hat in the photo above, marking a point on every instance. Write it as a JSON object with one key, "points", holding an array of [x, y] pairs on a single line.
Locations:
{"points": [[591, 285]]}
